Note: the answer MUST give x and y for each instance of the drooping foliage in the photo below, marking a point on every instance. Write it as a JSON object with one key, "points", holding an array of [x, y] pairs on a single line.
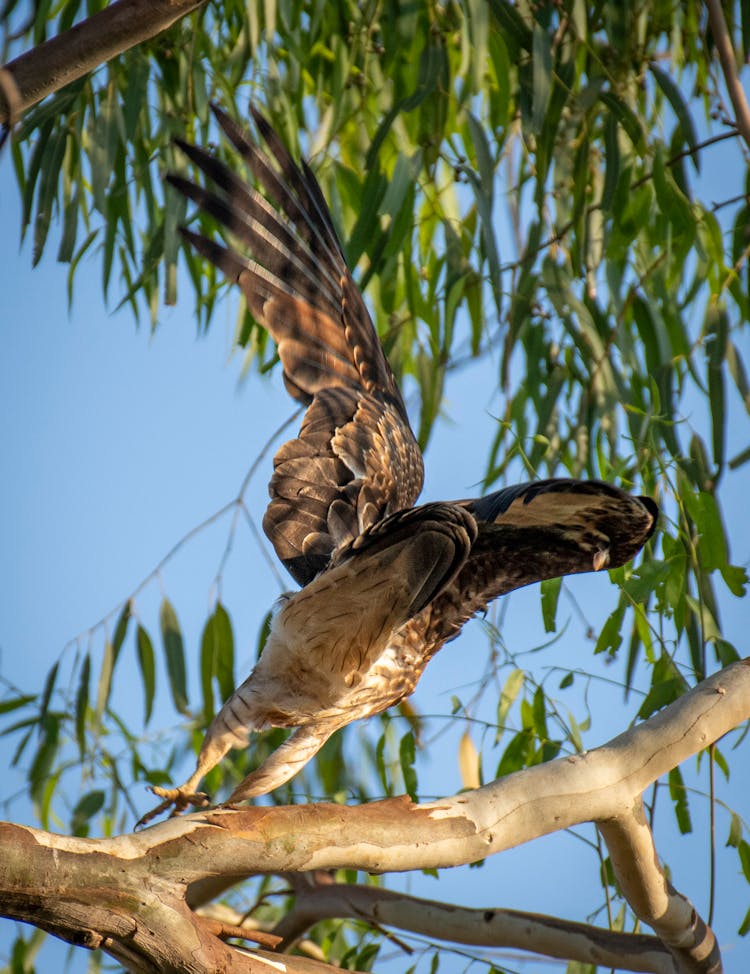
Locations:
{"points": [[534, 177]]}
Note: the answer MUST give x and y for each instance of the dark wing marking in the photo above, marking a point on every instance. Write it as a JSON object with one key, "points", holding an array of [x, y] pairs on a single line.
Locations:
{"points": [[355, 460], [436, 538], [537, 531]]}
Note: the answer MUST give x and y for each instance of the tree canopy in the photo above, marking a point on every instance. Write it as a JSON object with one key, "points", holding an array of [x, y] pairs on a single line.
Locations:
{"points": [[560, 188]]}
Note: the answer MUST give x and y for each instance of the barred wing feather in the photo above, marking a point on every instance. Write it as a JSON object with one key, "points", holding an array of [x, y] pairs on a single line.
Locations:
{"points": [[535, 531], [355, 459]]}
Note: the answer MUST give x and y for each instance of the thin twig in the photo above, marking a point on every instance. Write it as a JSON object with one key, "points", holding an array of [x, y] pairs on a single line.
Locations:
{"points": [[729, 68], [715, 207], [235, 503], [239, 501]]}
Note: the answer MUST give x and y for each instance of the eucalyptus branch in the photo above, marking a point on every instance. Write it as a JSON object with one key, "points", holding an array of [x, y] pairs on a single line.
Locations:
{"points": [[76, 887], [652, 897], [74, 53], [488, 927]]}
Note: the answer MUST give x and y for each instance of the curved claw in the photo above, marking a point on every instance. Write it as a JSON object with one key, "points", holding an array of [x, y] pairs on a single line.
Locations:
{"points": [[178, 799]]}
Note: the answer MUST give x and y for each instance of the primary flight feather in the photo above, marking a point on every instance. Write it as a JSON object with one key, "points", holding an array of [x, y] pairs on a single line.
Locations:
{"points": [[384, 584]]}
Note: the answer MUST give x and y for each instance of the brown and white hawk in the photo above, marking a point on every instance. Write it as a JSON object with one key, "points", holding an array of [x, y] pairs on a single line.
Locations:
{"points": [[384, 584]]}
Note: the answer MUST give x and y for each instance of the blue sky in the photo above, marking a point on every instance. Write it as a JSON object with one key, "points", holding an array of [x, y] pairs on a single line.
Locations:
{"points": [[115, 443]]}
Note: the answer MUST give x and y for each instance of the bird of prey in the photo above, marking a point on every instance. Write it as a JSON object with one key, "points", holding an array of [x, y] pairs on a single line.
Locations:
{"points": [[384, 583]]}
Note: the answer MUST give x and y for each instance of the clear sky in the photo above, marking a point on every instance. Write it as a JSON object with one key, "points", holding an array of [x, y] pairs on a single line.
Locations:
{"points": [[115, 443]]}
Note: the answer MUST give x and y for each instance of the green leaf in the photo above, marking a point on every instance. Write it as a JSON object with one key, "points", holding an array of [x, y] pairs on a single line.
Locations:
{"points": [[541, 76], [70, 229], [147, 664], [135, 96], [174, 654], [87, 806], [6, 706], [610, 637], [717, 331], [712, 544], [207, 671], [539, 711], [121, 629], [82, 703], [508, 697], [672, 202], [647, 579], [743, 850], [652, 333], [104, 135], [625, 117], [224, 660], [76, 260], [104, 687], [735, 830], [380, 764], [175, 207], [550, 589], [484, 205], [49, 686], [366, 228], [481, 147], [725, 652], [735, 578], [738, 373], [513, 27], [32, 172], [721, 762], [407, 755], [516, 754], [612, 160], [44, 759], [47, 194], [217, 658], [667, 685], [681, 110], [678, 794], [740, 459]]}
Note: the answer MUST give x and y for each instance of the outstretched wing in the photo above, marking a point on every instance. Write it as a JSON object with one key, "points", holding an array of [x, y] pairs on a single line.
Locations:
{"points": [[355, 460], [531, 532]]}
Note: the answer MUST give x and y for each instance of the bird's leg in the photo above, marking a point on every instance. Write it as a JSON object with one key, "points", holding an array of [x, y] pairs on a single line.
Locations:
{"points": [[178, 799], [285, 761]]}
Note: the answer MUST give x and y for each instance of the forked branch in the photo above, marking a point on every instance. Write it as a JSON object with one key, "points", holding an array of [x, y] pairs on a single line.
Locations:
{"points": [[130, 894]]}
